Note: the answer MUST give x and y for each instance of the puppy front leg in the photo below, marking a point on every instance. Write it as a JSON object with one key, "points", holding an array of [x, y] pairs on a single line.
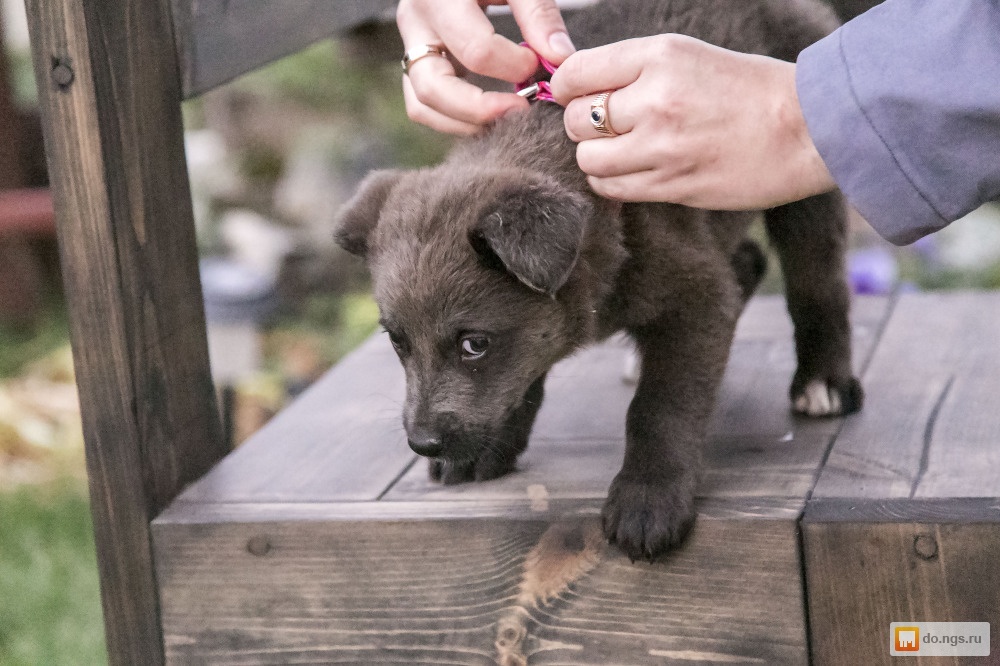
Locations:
{"points": [[650, 505]]}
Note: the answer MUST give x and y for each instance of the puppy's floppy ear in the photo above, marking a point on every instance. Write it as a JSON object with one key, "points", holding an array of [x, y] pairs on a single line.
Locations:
{"points": [[533, 230], [359, 216]]}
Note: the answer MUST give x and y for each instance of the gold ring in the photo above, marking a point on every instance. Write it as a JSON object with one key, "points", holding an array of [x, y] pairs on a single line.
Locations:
{"points": [[599, 116], [416, 53]]}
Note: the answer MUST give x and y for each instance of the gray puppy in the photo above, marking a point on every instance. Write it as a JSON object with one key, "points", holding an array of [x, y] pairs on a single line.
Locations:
{"points": [[492, 266]]}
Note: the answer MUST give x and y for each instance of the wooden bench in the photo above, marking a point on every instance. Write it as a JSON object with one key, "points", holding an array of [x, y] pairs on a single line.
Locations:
{"points": [[321, 541]]}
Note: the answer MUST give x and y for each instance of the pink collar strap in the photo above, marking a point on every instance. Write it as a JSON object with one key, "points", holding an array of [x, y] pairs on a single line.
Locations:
{"points": [[532, 89]]}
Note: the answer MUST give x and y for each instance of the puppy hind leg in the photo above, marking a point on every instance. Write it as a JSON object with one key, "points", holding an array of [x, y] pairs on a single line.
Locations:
{"points": [[750, 264], [810, 237]]}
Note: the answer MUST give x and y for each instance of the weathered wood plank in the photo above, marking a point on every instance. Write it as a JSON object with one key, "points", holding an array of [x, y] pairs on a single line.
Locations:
{"points": [[217, 40], [543, 588], [283, 494], [929, 427], [110, 100], [861, 576], [904, 524], [342, 440], [522, 508], [11, 171], [753, 399]]}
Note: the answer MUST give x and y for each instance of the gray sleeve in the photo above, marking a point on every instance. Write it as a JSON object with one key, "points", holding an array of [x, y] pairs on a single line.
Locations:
{"points": [[903, 104]]}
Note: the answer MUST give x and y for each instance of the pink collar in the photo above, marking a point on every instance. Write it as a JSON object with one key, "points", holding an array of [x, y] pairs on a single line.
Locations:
{"points": [[532, 89]]}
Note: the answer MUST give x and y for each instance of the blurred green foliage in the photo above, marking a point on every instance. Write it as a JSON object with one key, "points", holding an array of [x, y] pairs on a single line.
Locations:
{"points": [[20, 346], [50, 610]]}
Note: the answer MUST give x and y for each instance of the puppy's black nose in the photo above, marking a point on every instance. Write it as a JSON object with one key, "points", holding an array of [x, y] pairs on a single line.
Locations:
{"points": [[425, 444]]}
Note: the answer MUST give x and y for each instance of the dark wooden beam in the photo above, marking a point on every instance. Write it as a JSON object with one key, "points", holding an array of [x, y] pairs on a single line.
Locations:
{"points": [[10, 134], [110, 101], [218, 40]]}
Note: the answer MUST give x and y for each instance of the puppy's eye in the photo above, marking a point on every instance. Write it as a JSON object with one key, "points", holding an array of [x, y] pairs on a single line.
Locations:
{"points": [[398, 343], [474, 346]]}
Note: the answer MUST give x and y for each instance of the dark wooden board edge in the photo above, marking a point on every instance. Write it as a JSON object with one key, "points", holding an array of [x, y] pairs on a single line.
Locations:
{"points": [[950, 510], [219, 40], [539, 585], [187, 513], [868, 563]]}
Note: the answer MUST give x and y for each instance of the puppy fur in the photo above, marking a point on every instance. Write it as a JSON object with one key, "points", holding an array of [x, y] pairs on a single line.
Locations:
{"points": [[495, 264]]}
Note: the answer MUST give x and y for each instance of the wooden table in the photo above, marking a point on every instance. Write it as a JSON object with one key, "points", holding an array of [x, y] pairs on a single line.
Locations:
{"points": [[321, 540]]}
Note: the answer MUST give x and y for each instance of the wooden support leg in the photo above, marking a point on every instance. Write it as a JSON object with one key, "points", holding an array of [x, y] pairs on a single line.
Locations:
{"points": [[110, 101], [872, 562]]}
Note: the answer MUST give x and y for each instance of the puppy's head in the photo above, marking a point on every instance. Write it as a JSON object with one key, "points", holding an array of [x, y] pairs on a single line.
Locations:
{"points": [[473, 272]]}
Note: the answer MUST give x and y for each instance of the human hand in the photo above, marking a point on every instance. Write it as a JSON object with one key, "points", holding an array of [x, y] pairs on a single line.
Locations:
{"points": [[698, 125], [434, 92]]}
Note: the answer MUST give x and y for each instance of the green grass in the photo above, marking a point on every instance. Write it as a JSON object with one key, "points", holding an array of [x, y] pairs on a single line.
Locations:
{"points": [[50, 610], [18, 347]]}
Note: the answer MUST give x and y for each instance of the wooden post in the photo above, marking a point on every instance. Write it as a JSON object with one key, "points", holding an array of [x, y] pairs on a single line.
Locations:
{"points": [[10, 132], [903, 524], [869, 563], [110, 101]]}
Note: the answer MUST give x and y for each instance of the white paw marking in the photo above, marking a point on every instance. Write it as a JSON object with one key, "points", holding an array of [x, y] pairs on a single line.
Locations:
{"points": [[818, 399]]}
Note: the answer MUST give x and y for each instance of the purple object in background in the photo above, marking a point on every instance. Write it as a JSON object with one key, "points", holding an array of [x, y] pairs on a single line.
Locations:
{"points": [[872, 270]]}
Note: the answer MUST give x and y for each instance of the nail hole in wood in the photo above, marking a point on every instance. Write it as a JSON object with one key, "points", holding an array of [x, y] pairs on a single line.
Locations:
{"points": [[259, 546], [925, 546]]}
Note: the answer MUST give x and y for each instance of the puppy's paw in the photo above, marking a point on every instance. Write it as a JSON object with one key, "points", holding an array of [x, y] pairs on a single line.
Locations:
{"points": [[823, 397], [646, 519]]}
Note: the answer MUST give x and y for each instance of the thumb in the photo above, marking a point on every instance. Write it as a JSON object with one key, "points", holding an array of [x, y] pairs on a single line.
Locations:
{"points": [[543, 28]]}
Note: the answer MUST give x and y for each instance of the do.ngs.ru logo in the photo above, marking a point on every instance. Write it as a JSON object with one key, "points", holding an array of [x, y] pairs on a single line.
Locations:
{"points": [[939, 639]]}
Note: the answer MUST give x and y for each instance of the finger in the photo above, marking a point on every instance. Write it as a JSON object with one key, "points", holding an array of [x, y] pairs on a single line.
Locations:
{"points": [[639, 186], [425, 115], [607, 67], [435, 84], [621, 108], [469, 37], [543, 28], [609, 157]]}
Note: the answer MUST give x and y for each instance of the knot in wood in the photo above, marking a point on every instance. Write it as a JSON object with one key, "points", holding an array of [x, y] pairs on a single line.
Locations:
{"points": [[62, 74], [259, 546], [925, 546], [511, 633]]}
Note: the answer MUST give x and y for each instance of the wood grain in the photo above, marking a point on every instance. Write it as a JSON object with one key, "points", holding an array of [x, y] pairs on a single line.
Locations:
{"points": [[929, 427], [862, 576], [110, 105], [11, 172], [217, 40], [343, 440], [475, 592], [904, 523], [355, 566]]}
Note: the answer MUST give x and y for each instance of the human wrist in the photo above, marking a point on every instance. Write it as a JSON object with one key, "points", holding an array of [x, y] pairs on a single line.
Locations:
{"points": [[810, 171]]}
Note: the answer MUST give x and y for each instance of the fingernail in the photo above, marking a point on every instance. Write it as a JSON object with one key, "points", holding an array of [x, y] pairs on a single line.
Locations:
{"points": [[561, 44]]}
